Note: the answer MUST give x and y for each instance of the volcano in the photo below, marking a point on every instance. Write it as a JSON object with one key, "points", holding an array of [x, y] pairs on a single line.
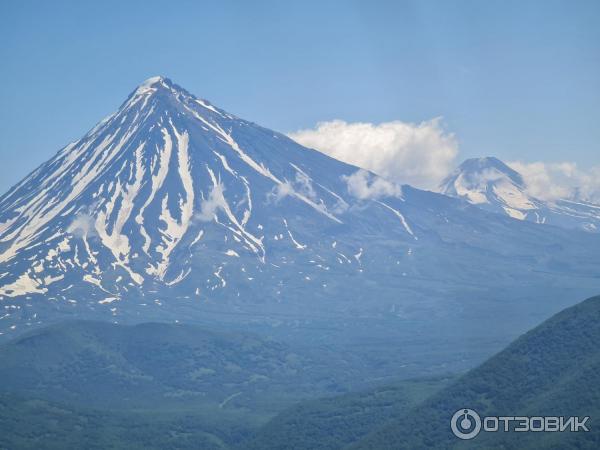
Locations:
{"points": [[174, 209]]}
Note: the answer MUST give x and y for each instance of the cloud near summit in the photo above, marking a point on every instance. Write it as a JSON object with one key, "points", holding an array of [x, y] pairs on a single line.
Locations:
{"points": [[555, 180], [417, 154], [423, 154]]}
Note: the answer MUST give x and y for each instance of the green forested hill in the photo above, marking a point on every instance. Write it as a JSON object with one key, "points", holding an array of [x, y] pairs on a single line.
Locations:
{"points": [[156, 386], [88, 384], [98, 363], [34, 424], [552, 370], [332, 423]]}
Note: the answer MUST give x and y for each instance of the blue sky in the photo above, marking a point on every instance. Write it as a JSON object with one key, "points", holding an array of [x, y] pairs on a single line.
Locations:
{"points": [[518, 80]]}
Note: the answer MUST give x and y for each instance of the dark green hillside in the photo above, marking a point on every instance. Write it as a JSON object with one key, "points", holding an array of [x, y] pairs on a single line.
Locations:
{"points": [[96, 363], [552, 370], [28, 424], [160, 386], [333, 423], [100, 385]]}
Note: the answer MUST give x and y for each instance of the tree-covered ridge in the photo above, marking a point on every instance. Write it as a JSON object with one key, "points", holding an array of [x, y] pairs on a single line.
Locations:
{"points": [[101, 362], [33, 424], [553, 369], [332, 423], [85, 384], [98, 385]]}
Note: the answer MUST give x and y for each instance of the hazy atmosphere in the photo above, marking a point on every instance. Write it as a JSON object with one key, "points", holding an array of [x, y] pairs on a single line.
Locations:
{"points": [[338, 225]]}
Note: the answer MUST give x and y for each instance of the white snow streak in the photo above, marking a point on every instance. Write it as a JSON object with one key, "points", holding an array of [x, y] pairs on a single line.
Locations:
{"points": [[157, 182], [175, 230], [401, 217], [296, 243], [115, 241]]}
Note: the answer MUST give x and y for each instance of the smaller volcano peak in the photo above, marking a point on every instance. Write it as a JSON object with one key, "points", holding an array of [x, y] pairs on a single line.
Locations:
{"points": [[476, 168]]}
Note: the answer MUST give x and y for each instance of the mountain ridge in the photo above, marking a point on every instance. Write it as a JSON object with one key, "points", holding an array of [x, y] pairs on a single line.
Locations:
{"points": [[493, 185]]}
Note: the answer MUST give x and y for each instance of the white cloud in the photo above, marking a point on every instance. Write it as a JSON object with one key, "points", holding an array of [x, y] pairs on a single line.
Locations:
{"points": [[551, 181], [423, 154], [301, 185], [280, 191], [304, 186], [364, 185], [417, 154], [209, 206], [83, 225]]}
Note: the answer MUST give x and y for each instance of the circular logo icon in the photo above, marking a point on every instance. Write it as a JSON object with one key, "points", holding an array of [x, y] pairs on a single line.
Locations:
{"points": [[465, 424]]}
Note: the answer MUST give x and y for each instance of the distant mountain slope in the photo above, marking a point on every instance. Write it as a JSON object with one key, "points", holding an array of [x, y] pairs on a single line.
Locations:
{"points": [[552, 370], [491, 184]]}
